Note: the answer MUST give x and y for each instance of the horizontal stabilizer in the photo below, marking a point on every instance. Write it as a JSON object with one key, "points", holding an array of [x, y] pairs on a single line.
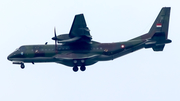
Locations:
{"points": [[157, 42], [158, 47]]}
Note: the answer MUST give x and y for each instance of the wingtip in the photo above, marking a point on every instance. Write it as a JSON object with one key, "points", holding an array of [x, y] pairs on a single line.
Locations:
{"points": [[167, 7], [79, 14]]}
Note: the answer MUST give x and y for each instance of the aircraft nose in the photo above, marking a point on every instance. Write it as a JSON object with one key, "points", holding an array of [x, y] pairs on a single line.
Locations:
{"points": [[9, 57]]}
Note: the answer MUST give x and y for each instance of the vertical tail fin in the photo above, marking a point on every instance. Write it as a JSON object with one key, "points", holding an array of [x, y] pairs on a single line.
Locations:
{"points": [[159, 31], [161, 24]]}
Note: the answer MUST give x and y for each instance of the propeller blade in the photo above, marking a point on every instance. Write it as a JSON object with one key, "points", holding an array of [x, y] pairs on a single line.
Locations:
{"points": [[55, 36], [55, 32], [55, 39]]}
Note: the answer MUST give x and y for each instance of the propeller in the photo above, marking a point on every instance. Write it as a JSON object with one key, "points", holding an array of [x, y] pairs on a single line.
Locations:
{"points": [[55, 36], [55, 39]]}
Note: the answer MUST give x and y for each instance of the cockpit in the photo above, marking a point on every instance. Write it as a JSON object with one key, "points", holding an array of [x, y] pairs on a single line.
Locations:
{"points": [[17, 49], [18, 53], [22, 48]]}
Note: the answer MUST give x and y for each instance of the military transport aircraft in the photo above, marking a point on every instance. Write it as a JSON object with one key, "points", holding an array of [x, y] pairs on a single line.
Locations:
{"points": [[77, 48]]}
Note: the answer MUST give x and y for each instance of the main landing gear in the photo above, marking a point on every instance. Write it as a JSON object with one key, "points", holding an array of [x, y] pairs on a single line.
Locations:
{"points": [[82, 68], [75, 68]]}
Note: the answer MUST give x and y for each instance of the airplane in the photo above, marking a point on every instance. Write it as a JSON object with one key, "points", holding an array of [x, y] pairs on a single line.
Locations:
{"points": [[77, 49]]}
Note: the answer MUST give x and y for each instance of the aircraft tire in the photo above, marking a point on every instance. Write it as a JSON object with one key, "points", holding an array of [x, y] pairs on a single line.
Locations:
{"points": [[22, 66], [83, 68], [75, 68]]}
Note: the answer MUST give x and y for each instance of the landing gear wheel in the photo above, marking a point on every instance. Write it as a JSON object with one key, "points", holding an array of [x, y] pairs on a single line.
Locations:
{"points": [[22, 66], [83, 68], [75, 68]]}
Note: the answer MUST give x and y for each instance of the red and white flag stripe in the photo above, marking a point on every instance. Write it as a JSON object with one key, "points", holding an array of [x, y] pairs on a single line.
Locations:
{"points": [[159, 25]]}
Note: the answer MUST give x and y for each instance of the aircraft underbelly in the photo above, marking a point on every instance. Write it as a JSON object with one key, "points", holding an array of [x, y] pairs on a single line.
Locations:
{"points": [[81, 59], [36, 59], [71, 64]]}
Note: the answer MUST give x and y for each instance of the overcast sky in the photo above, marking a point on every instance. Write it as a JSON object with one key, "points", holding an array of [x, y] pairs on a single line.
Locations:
{"points": [[144, 75]]}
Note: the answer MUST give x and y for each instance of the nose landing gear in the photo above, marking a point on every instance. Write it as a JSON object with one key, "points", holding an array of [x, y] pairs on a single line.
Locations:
{"points": [[22, 66]]}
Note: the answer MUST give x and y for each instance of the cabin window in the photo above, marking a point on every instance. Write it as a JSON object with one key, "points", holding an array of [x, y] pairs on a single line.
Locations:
{"points": [[22, 53]]}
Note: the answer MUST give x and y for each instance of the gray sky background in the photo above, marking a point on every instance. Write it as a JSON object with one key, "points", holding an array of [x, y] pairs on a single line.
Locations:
{"points": [[141, 76]]}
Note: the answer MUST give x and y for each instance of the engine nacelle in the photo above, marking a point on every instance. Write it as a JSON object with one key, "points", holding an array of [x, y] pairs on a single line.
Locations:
{"points": [[63, 37]]}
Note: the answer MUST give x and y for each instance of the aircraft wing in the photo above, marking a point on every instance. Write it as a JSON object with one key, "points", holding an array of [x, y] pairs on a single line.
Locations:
{"points": [[80, 29], [72, 56]]}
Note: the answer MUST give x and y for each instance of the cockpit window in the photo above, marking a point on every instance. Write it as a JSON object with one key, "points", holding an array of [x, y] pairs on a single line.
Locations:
{"points": [[17, 49], [22, 48]]}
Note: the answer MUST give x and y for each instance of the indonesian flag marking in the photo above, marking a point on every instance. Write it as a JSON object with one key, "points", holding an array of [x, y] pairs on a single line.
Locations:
{"points": [[122, 46], [159, 25]]}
